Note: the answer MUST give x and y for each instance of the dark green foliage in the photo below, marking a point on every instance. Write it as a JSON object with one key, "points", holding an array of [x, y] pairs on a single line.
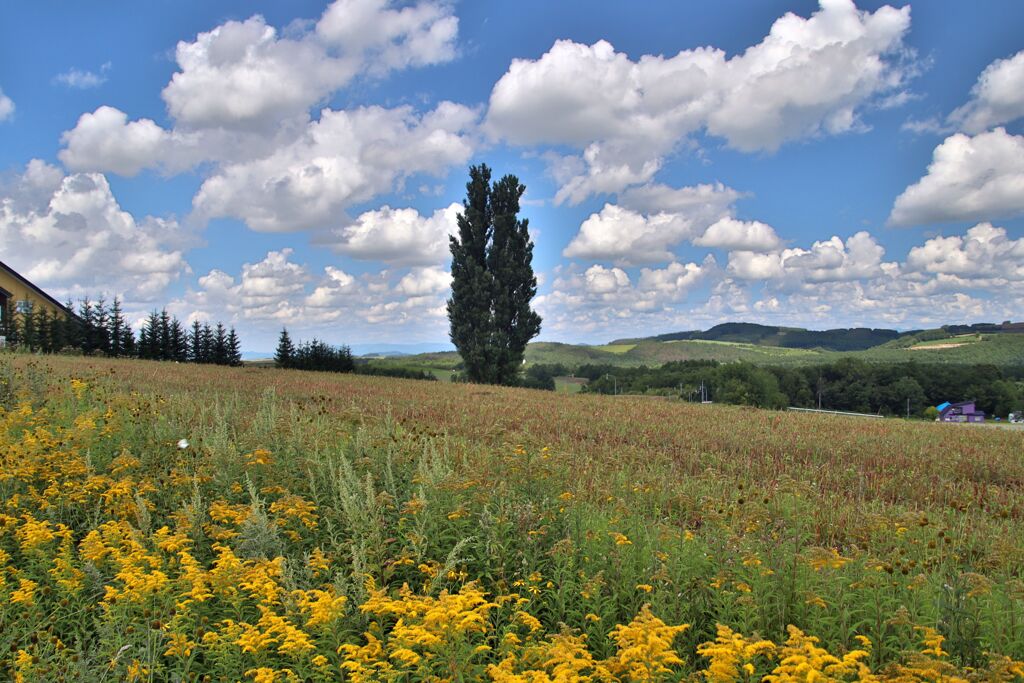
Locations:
{"points": [[312, 355], [542, 376], [100, 329], [854, 339], [364, 368], [847, 384], [220, 345], [234, 348], [492, 280], [285, 350]]}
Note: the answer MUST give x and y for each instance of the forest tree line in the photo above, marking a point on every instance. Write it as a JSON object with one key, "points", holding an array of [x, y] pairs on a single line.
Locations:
{"points": [[98, 328], [312, 355], [847, 384]]}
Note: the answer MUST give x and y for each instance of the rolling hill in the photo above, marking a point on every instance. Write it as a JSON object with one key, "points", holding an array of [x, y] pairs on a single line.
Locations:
{"points": [[994, 344]]}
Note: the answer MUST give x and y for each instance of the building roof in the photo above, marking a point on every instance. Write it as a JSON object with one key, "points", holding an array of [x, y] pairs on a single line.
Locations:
{"points": [[943, 407], [21, 278]]}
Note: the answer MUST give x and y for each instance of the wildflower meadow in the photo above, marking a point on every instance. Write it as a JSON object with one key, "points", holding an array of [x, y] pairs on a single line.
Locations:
{"points": [[163, 522]]}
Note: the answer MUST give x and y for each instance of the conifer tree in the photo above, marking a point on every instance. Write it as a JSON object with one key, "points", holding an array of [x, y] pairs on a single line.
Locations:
{"points": [[492, 280], [116, 328], [72, 328], [234, 348], [164, 349], [100, 340], [220, 345], [206, 344], [283, 357], [195, 343], [179, 341]]}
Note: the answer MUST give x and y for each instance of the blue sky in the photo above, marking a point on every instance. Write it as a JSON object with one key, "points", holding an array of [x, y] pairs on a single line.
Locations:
{"points": [[301, 164]]}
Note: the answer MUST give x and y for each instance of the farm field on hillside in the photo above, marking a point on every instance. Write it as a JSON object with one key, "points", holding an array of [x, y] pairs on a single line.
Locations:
{"points": [[997, 349], [172, 522]]}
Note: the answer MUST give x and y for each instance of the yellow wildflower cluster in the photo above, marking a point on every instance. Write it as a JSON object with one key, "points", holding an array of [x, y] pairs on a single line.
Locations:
{"points": [[154, 562]]}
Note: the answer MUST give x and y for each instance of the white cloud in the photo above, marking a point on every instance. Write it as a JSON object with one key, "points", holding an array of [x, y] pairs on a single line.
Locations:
{"points": [[397, 236], [997, 97], [424, 282], [277, 291], [385, 39], [344, 158], [626, 237], [750, 265], [629, 236], [6, 106], [729, 233], [970, 178], [832, 260], [104, 140], [605, 301], [707, 199], [83, 80], [244, 73], [807, 77], [984, 251], [243, 91], [68, 233]]}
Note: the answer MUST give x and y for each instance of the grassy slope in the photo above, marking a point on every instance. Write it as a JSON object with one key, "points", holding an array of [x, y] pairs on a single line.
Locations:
{"points": [[997, 349]]}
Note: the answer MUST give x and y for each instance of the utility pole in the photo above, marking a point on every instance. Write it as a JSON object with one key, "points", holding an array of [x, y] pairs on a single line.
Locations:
{"points": [[615, 384], [908, 407]]}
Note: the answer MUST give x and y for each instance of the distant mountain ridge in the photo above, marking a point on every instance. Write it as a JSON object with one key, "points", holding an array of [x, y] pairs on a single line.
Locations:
{"points": [[839, 339]]}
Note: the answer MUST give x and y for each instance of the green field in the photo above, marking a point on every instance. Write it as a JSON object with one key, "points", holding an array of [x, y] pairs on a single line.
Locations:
{"points": [[178, 522], [1001, 349]]}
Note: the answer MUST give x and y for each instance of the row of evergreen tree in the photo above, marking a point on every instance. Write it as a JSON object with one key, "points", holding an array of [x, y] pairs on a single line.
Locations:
{"points": [[101, 329], [312, 355]]}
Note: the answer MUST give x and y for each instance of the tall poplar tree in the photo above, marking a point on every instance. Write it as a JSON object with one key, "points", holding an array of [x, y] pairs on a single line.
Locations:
{"points": [[492, 280]]}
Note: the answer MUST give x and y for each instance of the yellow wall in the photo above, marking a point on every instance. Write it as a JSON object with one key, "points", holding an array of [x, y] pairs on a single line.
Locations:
{"points": [[22, 292]]}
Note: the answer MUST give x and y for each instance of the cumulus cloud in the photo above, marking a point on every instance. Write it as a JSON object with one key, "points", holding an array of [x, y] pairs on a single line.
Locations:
{"points": [[985, 251], [997, 97], [244, 73], [397, 236], [977, 275], [832, 260], [68, 233], [278, 291], [83, 80], [970, 178], [244, 90], [344, 158], [6, 106], [627, 237], [806, 77], [732, 234], [606, 300], [650, 222], [105, 140], [424, 282]]}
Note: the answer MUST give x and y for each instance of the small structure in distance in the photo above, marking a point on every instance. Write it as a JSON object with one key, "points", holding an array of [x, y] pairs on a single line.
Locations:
{"points": [[964, 411]]}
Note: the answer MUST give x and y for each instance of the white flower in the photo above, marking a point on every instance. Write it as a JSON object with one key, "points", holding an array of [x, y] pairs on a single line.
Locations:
{"points": [[183, 444]]}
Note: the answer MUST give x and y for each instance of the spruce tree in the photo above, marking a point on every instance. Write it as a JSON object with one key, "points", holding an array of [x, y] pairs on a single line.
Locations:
{"points": [[206, 344], [220, 345], [285, 353], [234, 348], [195, 342], [492, 280], [115, 329], [165, 351], [179, 341], [100, 323]]}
